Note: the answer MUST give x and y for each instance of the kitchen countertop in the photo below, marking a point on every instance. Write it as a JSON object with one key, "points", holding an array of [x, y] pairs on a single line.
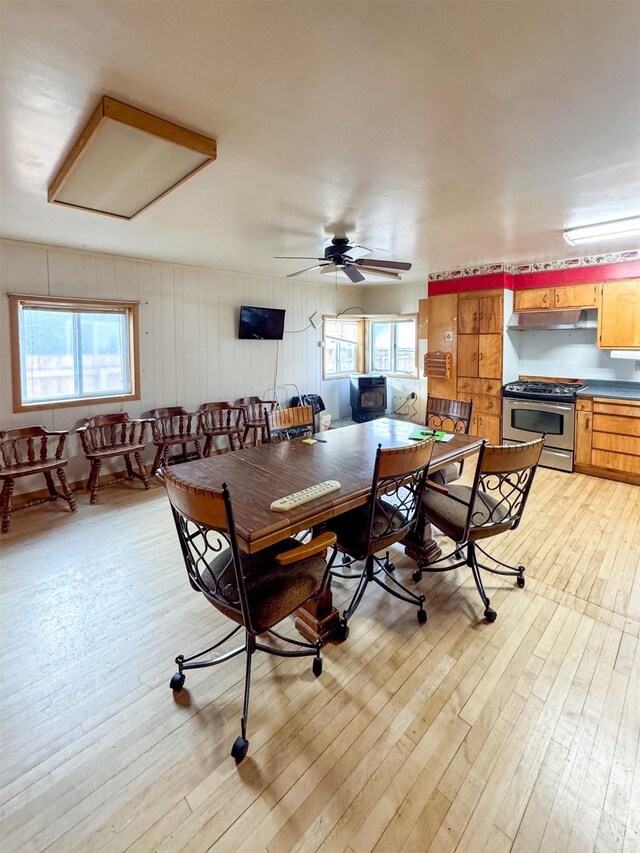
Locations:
{"points": [[610, 388]]}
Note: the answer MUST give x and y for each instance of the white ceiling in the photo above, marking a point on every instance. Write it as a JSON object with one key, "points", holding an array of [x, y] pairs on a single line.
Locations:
{"points": [[443, 133]]}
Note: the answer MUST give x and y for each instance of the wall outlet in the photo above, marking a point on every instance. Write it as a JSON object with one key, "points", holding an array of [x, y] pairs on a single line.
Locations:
{"points": [[448, 336]]}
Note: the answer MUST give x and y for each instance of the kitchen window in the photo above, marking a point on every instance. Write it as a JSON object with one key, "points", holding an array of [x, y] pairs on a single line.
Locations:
{"points": [[71, 351]]}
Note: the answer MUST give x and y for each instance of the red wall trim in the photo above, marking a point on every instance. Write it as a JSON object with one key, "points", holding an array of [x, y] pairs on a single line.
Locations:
{"points": [[490, 281], [578, 275]]}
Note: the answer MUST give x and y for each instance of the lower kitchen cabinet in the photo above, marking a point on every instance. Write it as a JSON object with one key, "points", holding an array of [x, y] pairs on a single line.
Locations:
{"points": [[608, 438]]}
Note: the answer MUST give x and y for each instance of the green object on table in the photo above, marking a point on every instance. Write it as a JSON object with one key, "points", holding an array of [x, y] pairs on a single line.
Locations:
{"points": [[421, 434]]}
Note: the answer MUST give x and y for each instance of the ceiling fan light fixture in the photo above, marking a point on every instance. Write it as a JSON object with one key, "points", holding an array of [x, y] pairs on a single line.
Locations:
{"points": [[603, 230]]}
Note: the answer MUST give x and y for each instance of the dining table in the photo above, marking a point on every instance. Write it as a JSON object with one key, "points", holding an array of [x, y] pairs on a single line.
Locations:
{"points": [[256, 476]]}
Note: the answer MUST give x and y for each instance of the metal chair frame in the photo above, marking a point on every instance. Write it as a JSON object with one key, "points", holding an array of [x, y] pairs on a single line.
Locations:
{"points": [[200, 543], [285, 424], [404, 487], [450, 416], [512, 488]]}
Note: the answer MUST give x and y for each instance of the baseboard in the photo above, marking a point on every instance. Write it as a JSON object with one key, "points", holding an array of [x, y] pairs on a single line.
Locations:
{"points": [[606, 474]]}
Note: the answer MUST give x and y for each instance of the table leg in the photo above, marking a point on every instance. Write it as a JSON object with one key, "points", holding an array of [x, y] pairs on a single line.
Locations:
{"points": [[420, 545], [318, 619]]}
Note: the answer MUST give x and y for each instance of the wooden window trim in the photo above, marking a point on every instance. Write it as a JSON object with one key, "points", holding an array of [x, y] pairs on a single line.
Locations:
{"points": [[375, 318], [73, 304], [359, 344]]}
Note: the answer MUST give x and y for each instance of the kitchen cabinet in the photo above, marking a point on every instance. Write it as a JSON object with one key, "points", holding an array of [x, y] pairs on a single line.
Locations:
{"points": [[489, 426], [480, 315], [490, 356], [562, 297], [442, 322], [607, 438], [619, 315], [576, 296], [527, 300], [468, 355]]}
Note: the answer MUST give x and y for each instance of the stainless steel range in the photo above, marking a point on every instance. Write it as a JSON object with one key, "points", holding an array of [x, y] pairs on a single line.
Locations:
{"points": [[532, 408]]}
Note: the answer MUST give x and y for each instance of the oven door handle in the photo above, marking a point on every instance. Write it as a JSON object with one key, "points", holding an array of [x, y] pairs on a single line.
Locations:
{"points": [[539, 404]]}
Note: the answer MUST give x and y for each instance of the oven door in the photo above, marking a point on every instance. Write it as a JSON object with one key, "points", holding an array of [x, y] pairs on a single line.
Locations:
{"points": [[526, 420]]}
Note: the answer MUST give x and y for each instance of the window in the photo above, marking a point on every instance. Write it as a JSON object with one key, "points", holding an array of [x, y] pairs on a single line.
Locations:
{"points": [[392, 346], [69, 351], [342, 346]]}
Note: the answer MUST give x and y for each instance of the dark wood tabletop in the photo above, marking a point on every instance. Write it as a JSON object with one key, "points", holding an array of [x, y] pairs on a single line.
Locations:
{"points": [[258, 475]]}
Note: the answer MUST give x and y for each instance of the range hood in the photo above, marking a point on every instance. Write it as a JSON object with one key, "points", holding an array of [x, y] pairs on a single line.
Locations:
{"points": [[536, 321]]}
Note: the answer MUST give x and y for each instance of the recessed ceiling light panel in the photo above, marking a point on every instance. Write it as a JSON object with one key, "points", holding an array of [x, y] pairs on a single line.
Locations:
{"points": [[126, 159], [603, 230]]}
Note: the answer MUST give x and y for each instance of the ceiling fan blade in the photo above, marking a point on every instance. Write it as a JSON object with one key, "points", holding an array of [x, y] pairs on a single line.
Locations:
{"points": [[379, 273], [308, 269], [295, 258], [357, 252], [391, 265], [329, 268], [353, 274]]}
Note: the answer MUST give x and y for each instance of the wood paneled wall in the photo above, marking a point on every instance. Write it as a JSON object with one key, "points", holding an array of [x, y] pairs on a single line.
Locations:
{"points": [[188, 331]]}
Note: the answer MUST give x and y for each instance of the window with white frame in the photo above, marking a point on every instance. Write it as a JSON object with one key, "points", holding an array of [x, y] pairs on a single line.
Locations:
{"points": [[70, 351], [392, 346], [342, 340]]}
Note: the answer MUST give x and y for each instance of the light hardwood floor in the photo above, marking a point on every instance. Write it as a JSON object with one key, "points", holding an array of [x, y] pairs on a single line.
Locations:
{"points": [[456, 735]]}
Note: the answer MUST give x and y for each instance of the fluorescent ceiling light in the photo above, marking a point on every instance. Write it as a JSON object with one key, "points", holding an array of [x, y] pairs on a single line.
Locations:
{"points": [[125, 160], [589, 233]]}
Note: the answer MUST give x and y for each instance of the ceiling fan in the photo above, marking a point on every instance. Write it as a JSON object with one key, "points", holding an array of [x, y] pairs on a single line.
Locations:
{"points": [[351, 260]]}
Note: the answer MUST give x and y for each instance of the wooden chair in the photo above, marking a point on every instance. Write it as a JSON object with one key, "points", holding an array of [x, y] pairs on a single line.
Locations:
{"points": [[110, 436], [174, 426], [283, 424], [27, 451], [256, 591], [398, 482], [451, 416], [222, 419], [255, 410], [492, 505]]}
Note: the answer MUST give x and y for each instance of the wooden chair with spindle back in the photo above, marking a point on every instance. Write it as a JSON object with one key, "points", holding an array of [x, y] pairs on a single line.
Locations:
{"points": [[450, 416], [27, 451], [283, 424], [171, 427], [109, 436], [222, 420], [255, 410]]}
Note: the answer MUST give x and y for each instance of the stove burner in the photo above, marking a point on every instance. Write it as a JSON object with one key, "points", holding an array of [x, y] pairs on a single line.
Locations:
{"points": [[561, 391]]}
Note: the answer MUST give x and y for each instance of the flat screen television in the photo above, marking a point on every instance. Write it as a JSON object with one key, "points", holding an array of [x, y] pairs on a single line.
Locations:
{"points": [[261, 324]]}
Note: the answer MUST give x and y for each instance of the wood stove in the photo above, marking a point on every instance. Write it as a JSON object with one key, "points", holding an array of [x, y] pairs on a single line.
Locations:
{"points": [[368, 397]]}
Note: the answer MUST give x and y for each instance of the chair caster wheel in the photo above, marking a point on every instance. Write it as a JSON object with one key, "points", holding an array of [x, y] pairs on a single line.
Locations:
{"points": [[317, 666], [343, 630], [239, 749], [416, 576], [177, 682], [490, 614], [520, 581], [346, 559], [422, 616], [391, 567]]}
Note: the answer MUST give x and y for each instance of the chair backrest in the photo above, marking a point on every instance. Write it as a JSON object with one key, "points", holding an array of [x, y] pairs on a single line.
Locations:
{"points": [[283, 424], [449, 415], [206, 531], [399, 478], [29, 445], [221, 416], [255, 408], [103, 431], [504, 474], [173, 421]]}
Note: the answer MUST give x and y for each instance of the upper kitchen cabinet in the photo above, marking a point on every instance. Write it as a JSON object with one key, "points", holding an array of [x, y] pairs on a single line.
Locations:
{"points": [[576, 296], [565, 296], [480, 315], [529, 300], [619, 315]]}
